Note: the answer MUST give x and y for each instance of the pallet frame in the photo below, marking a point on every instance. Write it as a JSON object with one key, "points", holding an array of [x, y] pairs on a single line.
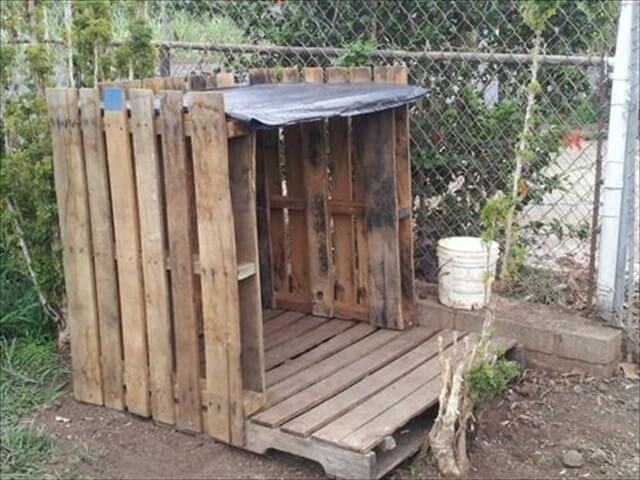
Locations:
{"points": [[165, 211]]}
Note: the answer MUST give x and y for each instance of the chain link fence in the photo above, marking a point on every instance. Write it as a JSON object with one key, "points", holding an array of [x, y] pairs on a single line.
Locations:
{"points": [[475, 58]]}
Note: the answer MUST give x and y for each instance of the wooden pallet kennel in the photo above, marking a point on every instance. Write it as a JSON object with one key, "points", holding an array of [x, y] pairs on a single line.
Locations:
{"points": [[180, 224], [157, 218]]}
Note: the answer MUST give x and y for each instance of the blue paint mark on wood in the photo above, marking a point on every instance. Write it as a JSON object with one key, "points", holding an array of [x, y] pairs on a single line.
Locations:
{"points": [[113, 99]]}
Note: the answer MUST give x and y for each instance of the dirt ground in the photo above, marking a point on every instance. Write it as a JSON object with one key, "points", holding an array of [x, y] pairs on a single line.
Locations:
{"points": [[522, 435]]}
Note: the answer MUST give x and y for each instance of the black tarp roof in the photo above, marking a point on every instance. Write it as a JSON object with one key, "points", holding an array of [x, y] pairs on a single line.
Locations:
{"points": [[271, 105]]}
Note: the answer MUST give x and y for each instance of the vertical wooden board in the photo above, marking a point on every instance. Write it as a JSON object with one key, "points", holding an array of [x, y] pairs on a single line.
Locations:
{"points": [[399, 74], [180, 234], [340, 158], [265, 144], [154, 83], [383, 74], [360, 75], [74, 220], [103, 248], [148, 177], [375, 144], [127, 235], [290, 75], [224, 79], [218, 265], [316, 181], [258, 76], [243, 200], [313, 74], [297, 218]]}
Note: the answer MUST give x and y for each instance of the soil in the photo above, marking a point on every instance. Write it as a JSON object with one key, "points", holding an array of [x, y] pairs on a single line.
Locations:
{"points": [[524, 434]]}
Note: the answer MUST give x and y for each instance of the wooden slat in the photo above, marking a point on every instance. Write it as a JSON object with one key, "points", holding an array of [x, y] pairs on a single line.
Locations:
{"points": [[360, 75], [298, 245], [341, 379], [242, 178], [74, 221], [151, 212], [328, 366], [368, 411], [292, 331], [269, 313], [283, 320], [383, 74], [399, 74], [290, 75], [328, 348], [342, 191], [298, 345], [266, 156], [336, 406], [224, 79], [218, 261], [316, 185], [375, 146], [258, 76], [127, 236], [180, 234], [103, 248]]}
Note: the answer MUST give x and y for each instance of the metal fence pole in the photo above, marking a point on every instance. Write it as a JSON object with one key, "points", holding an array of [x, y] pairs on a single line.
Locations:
{"points": [[614, 174]]}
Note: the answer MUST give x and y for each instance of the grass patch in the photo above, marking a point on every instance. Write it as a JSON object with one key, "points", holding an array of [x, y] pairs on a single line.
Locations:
{"points": [[31, 374]]}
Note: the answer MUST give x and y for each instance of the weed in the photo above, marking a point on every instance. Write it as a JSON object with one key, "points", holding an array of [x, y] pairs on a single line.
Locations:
{"points": [[488, 379]]}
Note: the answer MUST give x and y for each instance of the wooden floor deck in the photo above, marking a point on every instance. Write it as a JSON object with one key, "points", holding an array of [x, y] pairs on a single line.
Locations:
{"points": [[345, 393]]}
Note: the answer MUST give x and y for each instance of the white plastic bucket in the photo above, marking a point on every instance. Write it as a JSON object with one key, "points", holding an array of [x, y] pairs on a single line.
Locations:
{"points": [[462, 262]]}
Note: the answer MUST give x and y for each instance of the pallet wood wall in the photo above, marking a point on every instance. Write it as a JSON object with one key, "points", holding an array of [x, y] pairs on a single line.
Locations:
{"points": [[157, 215], [334, 208]]}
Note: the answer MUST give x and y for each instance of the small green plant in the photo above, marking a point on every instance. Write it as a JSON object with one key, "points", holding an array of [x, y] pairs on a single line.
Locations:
{"points": [[357, 53], [488, 379]]}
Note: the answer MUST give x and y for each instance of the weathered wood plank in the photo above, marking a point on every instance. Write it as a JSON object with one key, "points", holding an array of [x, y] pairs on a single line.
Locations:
{"points": [[346, 431], [127, 236], [242, 177], [337, 463], [295, 346], [103, 248], [341, 379], [153, 238], [224, 79], [181, 238], [360, 75], [328, 366], [336, 406], [375, 146], [297, 219], [328, 348], [266, 156], [292, 331], [283, 320], [74, 221], [342, 191], [316, 190], [218, 263], [399, 74], [268, 314]]}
